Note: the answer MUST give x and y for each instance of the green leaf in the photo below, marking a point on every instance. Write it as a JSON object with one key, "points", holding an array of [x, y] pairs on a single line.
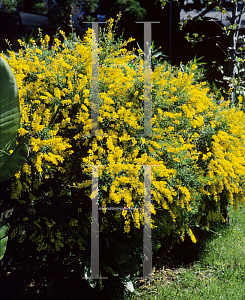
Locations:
{"points": [[108, 269], [158, 54], [9, 110], [14, 161], [3, 238], [122, 257], [122, 254]]}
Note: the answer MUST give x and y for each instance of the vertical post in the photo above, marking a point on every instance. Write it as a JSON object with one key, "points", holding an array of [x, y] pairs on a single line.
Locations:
{"points": [[147, 79], [147, 245], [95, 80], [95, 224]]}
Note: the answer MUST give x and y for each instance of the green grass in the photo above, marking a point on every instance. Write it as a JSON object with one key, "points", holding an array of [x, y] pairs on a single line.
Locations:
{"points": [[217, 273]]}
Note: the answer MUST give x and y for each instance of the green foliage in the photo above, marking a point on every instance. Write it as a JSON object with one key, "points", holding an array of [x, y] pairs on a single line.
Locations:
{"points": [[132, 11], [11, 157], [233, 77], [34, 6], [15, 161], [9, 5], [3, 238], [130, 8], [90, 10], [153, 54], [200, 70], [10, 110], [196, 4], [31, 6], [59, 11]]}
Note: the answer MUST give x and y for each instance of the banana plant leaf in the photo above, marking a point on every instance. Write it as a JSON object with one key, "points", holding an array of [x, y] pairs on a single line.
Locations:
{"points": [[9, 110], [3, 238], [15, 161], [10, 164]]}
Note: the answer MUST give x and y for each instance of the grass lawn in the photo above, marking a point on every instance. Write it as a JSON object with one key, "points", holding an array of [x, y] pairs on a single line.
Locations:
{"points": [[214, 269]]}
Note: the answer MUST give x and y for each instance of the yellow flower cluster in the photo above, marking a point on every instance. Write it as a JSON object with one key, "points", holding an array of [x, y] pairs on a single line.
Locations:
{"points": [[196, 149]]}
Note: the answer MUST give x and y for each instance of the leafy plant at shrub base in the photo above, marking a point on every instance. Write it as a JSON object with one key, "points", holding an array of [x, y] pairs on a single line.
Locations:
{"points": [[197, 145], [12, 157]]}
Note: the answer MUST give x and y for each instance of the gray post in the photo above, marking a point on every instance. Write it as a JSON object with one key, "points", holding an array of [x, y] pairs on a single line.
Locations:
{"points": [[95, 81], [147, 79], [95, 224], [147, 244]]}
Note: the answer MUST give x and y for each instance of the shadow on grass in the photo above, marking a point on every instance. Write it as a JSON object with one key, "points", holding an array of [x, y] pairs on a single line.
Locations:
{"points": [[28, 274], [184, 254]]}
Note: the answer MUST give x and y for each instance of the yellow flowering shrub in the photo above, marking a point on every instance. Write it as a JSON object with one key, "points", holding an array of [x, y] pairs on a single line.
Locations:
{"points": [[196, 149]]}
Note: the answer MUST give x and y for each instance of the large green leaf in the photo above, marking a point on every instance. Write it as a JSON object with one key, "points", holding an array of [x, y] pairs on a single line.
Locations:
{"points": [[14, 161], [108, 269], [9, 111], [3, 238], [122, 254], [122, 257]]}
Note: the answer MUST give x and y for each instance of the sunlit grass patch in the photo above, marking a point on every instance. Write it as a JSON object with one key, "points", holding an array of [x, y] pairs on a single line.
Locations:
{"points": [[218, 274]]}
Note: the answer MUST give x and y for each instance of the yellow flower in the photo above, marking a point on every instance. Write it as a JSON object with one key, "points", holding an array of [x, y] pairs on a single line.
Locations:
{"points": [[193, 238], [193, 67]]}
